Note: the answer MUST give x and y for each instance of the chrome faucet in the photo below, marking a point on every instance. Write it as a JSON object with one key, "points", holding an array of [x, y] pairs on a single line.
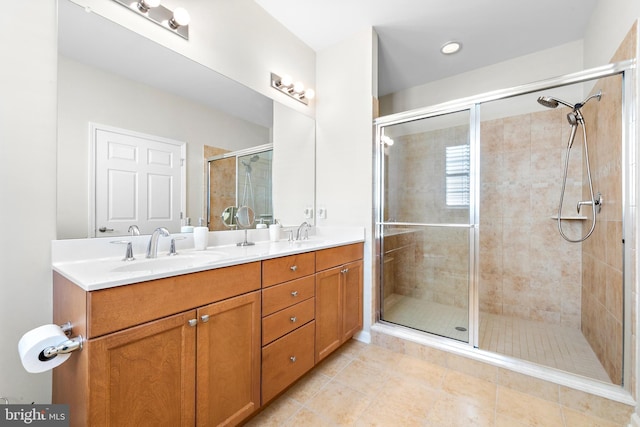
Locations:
{"points": [[134, 230], [152, 248], [304, 226]]}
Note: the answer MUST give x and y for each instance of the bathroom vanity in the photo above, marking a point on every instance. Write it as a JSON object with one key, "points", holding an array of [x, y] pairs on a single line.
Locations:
{"points": [[206, 347]]}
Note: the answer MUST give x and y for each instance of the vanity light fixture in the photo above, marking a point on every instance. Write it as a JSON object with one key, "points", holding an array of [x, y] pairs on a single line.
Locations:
{"points": [[449, 48], [296, 90], [176, 21]]}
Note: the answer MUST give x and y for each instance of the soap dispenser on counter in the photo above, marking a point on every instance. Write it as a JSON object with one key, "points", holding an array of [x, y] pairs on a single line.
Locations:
{"points": [[200, 235], [187, 227], [274, 231]]}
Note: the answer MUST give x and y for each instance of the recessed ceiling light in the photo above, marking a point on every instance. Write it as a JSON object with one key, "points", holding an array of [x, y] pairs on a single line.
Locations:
{"points": [[450, 48]]}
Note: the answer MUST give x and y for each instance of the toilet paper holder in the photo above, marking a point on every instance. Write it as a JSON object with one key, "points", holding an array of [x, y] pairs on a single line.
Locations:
{"points": [[66, 346]]}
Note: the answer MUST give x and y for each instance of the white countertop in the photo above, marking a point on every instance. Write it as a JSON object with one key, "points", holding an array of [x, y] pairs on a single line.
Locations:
{"points": [[95, 264]]}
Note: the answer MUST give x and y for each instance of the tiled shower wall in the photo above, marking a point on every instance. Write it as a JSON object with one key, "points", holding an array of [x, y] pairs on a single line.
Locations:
{"points": [[426, 263], [602, 293], [526, 269]]}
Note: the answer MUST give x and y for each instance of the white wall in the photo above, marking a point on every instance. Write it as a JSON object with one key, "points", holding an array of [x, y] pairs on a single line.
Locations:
{"points": [[294, 137], [87, 94], [344, 154], [537, 66], [27, 186], [609, 24]]}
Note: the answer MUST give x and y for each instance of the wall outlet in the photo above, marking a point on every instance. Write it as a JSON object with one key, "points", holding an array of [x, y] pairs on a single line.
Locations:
{"points": [[322, 213], [308, 213]]}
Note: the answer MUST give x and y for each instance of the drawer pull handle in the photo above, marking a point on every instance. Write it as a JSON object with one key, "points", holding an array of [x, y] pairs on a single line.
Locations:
{"points": [[293, 267], [294, 319], [344, 271], [204, 318], [193, 322], [294, 293], [293, 359]]}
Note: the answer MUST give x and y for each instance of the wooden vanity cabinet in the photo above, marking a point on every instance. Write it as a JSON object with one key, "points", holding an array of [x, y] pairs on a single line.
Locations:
{"points": [[339, 281], [288, 327], [144, 375], [167, 366], [228, 361]]}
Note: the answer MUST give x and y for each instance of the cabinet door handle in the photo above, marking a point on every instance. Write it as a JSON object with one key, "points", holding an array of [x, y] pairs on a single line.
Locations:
{"points": [[293, 359], [344, 271], [294, 319], [293, 267], [294, 293], [193, 322], [204, 318]]}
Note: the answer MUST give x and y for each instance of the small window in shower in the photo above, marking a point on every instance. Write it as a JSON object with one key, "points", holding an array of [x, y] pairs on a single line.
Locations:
{"points": [[457, 175]]}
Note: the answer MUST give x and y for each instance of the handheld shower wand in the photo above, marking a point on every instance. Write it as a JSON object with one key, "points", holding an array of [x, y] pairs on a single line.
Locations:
{"points": [[575, 118]]}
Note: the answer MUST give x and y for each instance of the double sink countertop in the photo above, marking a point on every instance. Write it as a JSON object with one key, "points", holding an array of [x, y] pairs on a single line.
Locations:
{"points": [[94, 264]]}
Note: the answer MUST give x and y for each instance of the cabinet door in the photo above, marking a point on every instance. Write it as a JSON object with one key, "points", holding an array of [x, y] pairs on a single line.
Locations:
{"points": [[352, 276], [144, 375], [329, 303], [228, 360]]}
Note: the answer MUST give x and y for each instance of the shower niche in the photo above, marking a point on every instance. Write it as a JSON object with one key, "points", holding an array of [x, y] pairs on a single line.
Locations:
{"points": [[240, 178], [480, 240]]}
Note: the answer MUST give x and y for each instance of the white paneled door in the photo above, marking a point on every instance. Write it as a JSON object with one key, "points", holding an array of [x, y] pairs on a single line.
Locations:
{"points": [[139, 180]]}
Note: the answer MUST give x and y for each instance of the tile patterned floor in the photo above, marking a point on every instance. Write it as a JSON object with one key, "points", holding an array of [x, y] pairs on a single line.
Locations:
{"points": [[554, 346], [367, 385]]}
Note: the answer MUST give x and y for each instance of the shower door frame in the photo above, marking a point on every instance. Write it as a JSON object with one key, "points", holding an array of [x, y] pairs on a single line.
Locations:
{"points": [[629, 194]]}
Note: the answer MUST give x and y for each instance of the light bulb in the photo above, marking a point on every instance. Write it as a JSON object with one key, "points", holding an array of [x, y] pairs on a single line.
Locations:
{"points": [[145, 5], [298, 87], [180, 18], [286, 80], [310, 94]]}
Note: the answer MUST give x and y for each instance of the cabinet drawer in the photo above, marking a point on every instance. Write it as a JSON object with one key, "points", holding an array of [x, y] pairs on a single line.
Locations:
{"points": [[327, 258], [287, 268], [282, 296], [286, 360], [285, 321], [121, 307]]}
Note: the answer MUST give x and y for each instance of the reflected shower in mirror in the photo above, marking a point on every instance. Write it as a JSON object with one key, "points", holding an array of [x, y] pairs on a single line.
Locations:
{"points": [[240, 178]]}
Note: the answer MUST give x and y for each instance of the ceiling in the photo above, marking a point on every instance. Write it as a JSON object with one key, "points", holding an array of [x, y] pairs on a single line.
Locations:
{"points": [[411, 32]]}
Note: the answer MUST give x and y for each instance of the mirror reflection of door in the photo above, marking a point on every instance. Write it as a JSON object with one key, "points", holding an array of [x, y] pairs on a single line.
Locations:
{"points": [[139, 180]]}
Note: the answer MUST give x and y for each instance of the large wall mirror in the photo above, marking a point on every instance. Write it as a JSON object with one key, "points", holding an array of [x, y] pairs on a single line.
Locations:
{"points": [[111, 76]]}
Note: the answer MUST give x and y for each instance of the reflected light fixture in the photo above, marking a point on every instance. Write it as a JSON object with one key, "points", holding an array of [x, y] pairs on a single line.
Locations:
{"points": [[295, 90], [176, 21], [386, 140], [449, 48]]}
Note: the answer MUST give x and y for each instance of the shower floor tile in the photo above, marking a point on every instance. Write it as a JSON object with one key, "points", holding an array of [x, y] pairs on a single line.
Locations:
{"points": [[550, 345]]}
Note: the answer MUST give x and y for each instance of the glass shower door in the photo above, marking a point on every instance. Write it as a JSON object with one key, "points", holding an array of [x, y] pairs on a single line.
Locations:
{"points": [[426, 224]]}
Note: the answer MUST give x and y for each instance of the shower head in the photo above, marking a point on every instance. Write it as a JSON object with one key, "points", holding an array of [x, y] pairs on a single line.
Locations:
{"points": [[551, 102], [255, 158]]}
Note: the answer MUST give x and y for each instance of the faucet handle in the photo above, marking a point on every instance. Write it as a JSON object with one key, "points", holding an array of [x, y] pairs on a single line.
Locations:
{"points": [[128, 256], [172, 245]]}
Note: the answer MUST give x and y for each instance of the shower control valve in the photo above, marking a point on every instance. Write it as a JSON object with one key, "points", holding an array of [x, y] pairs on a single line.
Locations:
{"points": [[597, 201]]}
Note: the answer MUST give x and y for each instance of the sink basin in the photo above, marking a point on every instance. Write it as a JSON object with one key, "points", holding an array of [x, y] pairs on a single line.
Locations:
{"points": [[167, 263]]}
